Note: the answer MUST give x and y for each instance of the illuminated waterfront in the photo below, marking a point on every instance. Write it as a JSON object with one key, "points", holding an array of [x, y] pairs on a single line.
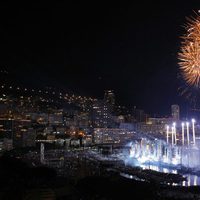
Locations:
{"points": [[159, 156]]}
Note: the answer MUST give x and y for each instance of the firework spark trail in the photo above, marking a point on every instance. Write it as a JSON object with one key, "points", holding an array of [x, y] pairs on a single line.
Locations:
{"points": [[190, 53]]}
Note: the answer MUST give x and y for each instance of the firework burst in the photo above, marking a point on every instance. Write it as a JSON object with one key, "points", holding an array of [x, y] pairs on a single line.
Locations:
{"points": [[189, 55]]}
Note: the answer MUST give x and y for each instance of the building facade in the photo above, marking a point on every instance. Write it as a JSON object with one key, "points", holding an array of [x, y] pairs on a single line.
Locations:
{"points": [[175, 112]]}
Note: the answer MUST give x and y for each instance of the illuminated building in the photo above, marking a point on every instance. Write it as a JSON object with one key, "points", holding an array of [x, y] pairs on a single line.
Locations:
{"points": [[175, 111], [139, 115], [82, 120], [101, 114], [40, 118], [119, 119], [111, 135], [127, 126], [56, 119], [109, 97], [154, 125]]}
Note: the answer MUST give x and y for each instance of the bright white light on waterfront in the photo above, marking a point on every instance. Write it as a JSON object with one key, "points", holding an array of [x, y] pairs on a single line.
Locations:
{"points": [[158, 152]]}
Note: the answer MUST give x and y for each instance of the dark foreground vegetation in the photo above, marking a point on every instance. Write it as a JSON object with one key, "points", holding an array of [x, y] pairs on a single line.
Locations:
{"points": [[20, 181]]}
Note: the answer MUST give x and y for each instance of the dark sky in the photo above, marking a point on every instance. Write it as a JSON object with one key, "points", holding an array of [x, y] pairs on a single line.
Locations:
{"points": [[89, 47]]}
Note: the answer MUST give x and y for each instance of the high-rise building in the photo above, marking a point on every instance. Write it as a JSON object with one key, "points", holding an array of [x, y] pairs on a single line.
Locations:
{"points": [[109, 97], [101, 114], [139, 115], [175, 111]]}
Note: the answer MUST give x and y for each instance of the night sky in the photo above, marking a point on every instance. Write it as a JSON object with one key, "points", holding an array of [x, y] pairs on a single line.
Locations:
{"points": [[89, 47]]}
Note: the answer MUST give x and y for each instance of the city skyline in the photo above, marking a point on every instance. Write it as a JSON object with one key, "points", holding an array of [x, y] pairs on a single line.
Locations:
{"points": [[52, 94], [123, 47], [99, 100]]}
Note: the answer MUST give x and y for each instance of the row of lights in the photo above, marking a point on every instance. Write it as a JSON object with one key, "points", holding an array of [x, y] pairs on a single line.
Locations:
{"points": [[173, 132]]}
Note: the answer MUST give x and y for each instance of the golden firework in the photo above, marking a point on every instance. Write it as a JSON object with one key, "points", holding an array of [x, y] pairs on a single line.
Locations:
{"points": [[190, 53]]}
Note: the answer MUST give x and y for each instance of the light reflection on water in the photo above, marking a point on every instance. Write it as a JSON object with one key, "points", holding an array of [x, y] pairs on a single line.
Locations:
{"points": [[158, 156], [192, 180]]}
